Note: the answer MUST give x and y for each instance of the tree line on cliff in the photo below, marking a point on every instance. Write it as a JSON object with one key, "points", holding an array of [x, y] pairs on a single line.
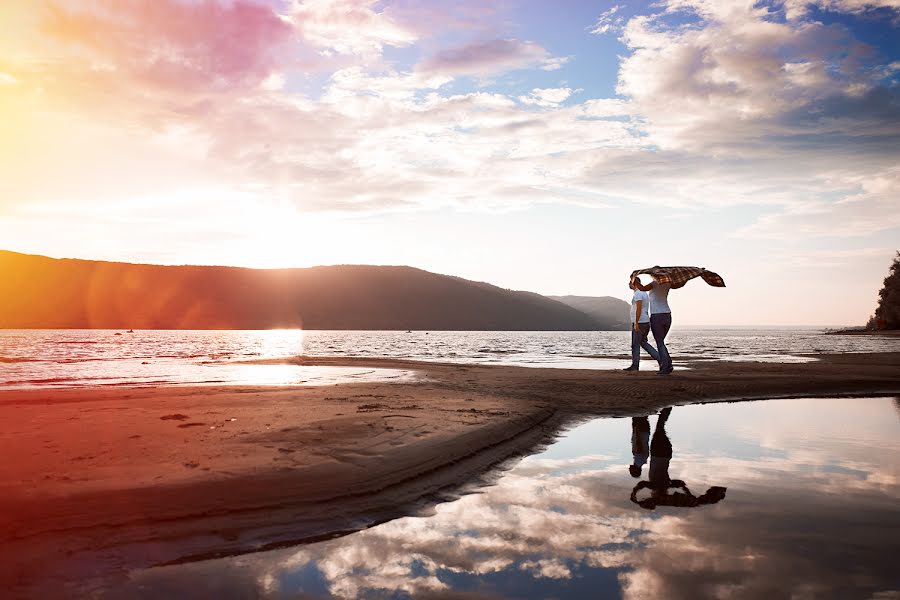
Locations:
{"points": [[887, 313]]}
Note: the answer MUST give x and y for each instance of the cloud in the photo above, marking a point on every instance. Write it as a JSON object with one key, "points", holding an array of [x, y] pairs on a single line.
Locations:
{"points": [[608, 21], [830, 259], [795, 9], [490, 57], [175, 44], [554, 63], [349, 27], [807, 104], [546, 97], [869, 209], [738, 77], [372, 141], [393, 141]]}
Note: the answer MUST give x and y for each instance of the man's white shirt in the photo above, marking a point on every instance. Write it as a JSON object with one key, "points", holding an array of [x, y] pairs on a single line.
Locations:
{"points": [[644, 297]]}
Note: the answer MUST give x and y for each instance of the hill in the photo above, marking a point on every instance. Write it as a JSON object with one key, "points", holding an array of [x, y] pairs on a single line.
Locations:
{"points": [[41, 292], [613, 313]]}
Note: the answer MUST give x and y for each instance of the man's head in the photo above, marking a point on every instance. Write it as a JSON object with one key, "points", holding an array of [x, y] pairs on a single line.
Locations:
{"points": [[631, 283], [635, 470]]}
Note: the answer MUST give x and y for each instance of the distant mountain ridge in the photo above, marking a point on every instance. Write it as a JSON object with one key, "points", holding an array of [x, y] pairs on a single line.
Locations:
{"points": [[41, 292], [615, 313]]}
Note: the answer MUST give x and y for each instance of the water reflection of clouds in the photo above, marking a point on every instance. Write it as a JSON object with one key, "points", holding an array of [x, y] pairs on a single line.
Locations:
{"points": [[804, 523], [561, 527], [477, 536], [799, 547], [749, 551]]}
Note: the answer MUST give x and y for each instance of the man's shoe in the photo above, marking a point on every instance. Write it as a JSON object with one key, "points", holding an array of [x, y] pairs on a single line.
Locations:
{"points": [[666, 371], [631, 368]]}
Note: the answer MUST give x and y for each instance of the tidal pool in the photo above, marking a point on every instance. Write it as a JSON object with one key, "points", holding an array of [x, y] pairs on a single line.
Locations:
{"points": [[781, 499]]}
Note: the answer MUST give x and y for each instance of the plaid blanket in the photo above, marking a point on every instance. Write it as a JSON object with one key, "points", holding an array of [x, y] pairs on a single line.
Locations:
{"points": [[678, 276]]}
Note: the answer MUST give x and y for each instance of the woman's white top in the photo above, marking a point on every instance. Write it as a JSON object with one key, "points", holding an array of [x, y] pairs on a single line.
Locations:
{"points": [[659, 298]]}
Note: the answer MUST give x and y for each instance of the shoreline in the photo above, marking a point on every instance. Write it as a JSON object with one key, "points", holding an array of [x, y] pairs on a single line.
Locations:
{"points": [[875, 332], [135, 476]]}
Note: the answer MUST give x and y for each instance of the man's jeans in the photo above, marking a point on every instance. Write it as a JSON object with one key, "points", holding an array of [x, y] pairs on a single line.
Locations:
{"points": [[638, 341], [659, 325]]}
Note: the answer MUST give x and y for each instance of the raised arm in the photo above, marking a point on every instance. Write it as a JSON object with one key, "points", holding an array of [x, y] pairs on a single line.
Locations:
{"points": [[641, 286]]}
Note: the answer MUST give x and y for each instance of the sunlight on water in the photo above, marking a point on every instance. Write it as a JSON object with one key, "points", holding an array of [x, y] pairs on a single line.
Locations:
{"points": [[276, 343], [297, 375], [57, 358], [811, 510], [174, 372], [64, 358]]}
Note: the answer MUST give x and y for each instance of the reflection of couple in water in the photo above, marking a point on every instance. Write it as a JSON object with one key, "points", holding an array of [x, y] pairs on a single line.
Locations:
{"points": [[659, 452]]}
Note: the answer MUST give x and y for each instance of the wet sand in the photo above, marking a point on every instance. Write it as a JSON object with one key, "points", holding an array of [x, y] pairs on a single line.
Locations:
{"points": [[95, 481]]}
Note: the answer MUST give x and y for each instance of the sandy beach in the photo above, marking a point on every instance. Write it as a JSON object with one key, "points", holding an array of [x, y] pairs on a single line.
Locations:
{"points": [[126, 477]]}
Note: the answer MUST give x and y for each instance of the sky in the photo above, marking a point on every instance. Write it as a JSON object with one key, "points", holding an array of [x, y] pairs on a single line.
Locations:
{"points": [[544, 146]]}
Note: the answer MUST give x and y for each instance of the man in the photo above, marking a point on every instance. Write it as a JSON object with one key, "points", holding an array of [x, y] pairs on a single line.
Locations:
{"points": [[660, 319], [640, 326], [640, 444]]}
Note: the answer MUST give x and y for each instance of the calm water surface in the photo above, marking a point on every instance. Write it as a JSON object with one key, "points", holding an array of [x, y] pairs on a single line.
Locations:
{"points": [[65, 358], [811, 510]]}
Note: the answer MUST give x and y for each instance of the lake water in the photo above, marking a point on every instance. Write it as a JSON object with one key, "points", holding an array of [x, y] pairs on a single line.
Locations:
{"points": [[65, 358], [811, 509]]}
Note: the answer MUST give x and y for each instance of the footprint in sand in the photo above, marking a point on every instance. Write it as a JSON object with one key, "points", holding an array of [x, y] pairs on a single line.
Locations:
{"points": [[173, 417]]}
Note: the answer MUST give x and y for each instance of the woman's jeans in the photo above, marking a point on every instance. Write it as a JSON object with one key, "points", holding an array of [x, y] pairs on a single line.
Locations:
{"points": [[659, 325], [638, 341]]}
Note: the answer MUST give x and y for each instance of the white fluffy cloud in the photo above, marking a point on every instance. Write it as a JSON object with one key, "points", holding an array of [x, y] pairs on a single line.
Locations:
{"points": [[793, 113], [546, 97], [349, 27], [740, 77]]}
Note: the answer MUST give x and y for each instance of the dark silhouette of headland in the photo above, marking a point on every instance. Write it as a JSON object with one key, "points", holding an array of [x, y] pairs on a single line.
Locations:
{"points": [[41, 292]]}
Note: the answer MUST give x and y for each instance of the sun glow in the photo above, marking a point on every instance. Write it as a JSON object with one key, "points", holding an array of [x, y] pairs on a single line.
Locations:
{"points": [[277, 235]]}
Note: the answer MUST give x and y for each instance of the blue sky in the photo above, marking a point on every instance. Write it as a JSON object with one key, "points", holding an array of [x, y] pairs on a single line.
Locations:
{"points": [[551, 147]]}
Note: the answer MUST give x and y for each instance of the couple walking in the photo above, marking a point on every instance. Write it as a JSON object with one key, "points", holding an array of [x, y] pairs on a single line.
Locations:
{"points": [[650, 312], [664, 491]]}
